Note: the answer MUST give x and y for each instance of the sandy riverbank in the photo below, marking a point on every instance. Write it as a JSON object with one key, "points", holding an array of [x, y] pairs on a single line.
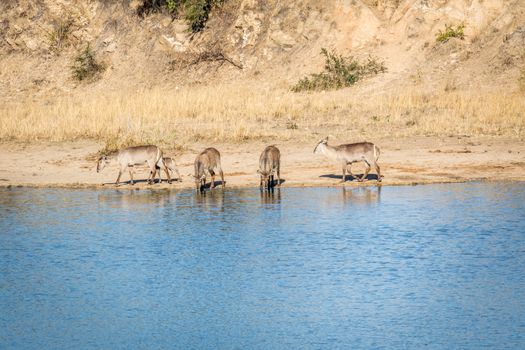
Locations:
{"points": [[415, 160]]}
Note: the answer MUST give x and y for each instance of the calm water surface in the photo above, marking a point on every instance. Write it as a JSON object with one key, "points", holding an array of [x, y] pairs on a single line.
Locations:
{"points": [[436, 266]]}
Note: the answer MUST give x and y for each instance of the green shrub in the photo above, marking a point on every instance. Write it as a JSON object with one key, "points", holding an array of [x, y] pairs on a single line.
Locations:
{"points": [[172, 5], [339, 72], [85, 65], [195, 12], [451, 32]]}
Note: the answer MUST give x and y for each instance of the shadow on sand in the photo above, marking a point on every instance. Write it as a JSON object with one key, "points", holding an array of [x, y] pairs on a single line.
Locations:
{"points": [[142, 181], [350, 177]]}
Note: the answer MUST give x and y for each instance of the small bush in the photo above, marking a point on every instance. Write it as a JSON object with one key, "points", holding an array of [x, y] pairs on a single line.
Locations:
{"points": [[290, 125], [58, 37], [172, 5], [451, 32], [339, 72], [85, 65]]}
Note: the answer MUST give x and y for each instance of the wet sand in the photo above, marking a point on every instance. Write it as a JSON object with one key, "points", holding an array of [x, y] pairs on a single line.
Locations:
{"points": [[404, 161]]}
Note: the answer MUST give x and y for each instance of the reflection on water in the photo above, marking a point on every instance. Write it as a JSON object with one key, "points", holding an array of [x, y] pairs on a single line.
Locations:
{"points": [[270, 196], [437, 266], [361, 195], [210, 199]]}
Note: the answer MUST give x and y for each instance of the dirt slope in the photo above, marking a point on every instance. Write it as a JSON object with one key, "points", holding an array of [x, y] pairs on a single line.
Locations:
{"points": [[275, 42]]}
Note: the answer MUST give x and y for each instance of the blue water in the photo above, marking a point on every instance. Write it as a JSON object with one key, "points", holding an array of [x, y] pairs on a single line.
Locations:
{"points": [[436, 266]]}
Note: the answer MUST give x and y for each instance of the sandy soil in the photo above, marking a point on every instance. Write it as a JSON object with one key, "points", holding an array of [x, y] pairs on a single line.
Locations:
{"points": [[402, 161]]}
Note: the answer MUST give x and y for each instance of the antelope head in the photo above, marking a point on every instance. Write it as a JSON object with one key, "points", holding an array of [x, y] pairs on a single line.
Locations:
{"points": [[321, 142], [101, 163], [264, 177]]}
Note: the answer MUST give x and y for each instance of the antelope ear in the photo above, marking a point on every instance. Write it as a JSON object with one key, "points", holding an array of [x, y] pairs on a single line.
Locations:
{"points": [[258, 171]]}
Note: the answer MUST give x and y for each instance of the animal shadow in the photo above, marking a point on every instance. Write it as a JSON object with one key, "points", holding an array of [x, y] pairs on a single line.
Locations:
{"points": [[350, 177], [275, 182], [207, 185], [141, 181]]}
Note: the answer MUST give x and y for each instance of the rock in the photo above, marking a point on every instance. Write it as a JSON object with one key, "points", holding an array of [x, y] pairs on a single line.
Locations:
{"points": [[282, 39], [111, 47], [174, 44], [30, 43], [180, 26], [135, 4], [165, 22], [108, 40]]}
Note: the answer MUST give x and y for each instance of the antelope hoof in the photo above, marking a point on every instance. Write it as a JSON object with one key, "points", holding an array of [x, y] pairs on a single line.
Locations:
{"points": [[131, 183]]}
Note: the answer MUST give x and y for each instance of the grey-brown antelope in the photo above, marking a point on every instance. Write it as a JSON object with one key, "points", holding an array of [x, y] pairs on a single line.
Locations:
{"points": [[138, 155], [207, 161], [270, 163], [350, 153], [171, 165]]}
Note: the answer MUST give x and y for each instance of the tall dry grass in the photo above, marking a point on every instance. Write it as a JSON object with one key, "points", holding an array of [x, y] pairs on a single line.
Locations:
{"points": [[240, 112]]}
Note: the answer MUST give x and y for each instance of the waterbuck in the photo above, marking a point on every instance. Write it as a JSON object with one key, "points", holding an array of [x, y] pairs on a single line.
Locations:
{"points": [[171, 165], [207, 161], [138, 155], [270, 162], [350, 153]]}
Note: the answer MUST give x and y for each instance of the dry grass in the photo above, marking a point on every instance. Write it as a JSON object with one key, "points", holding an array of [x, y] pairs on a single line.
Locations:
{"points": [[236, 113]]}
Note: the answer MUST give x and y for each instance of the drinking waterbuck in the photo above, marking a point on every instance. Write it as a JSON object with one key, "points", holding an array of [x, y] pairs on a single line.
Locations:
{"points": [[270, 162], [131, 156], [350, 153], [170, 165], [207, 161]]}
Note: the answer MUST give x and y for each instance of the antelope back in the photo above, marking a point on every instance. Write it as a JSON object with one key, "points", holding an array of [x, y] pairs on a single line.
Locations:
{"points": [[140, 154], [213, 158], [357, 151], [269, 159]]}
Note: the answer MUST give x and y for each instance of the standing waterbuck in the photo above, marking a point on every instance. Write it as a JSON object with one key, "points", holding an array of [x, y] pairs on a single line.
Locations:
{"points": [[207, 161], [170, 165], [270, 162], [350, 153], [138, 155]]}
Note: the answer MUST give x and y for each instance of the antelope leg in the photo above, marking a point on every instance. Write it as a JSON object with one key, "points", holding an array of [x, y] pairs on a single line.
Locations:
{"points": [[131, 175], [222, 178], [167, 174], [118, 177], [378, 171], [349, 167], [367, 170], [212, 173]]}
